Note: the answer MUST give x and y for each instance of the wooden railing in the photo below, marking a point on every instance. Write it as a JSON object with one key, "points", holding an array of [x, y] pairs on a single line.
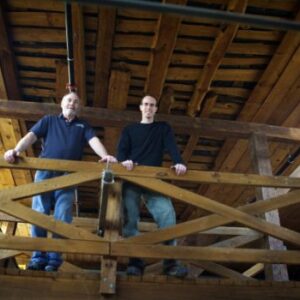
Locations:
{"points": [[111, 245]]}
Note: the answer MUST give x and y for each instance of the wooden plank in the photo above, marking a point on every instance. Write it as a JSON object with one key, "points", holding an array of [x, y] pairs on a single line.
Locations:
{"points": [[119, 84], [113, 222], [58, 245], [221, 128], [220, 47], [215, 207], [4, 254], [139, 172], [61, 79], [205, 253], [105, 35], [262, 165], [254, 270], [207, 222], [20, 286], [35, 188], [46, 222], [163, 45]]}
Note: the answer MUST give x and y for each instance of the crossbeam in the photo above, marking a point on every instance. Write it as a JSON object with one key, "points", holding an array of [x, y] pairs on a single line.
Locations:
{"points": [[98, 117], [95, 169]]}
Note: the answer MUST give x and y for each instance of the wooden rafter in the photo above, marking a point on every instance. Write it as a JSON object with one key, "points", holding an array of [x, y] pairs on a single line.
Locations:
{"points": [[214, 59], [162, 50], [183, 124], [105, 35], [117, 100]]}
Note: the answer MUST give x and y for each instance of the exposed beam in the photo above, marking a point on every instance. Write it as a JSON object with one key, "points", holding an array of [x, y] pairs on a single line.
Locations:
{"points": [[262, 165], [117, 99], [204, 223], [214, 59], [162, 50], [155, 287], [182, 124], [93, 171], [150, 251], [228, 17], [218, 208], [105, 35]]}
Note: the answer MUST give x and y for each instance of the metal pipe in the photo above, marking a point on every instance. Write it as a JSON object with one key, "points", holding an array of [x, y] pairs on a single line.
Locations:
{"points": [[69, 39], [192, 11]]}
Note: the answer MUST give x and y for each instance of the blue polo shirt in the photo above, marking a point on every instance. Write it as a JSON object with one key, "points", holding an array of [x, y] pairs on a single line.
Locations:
{"points": [[62, 139]]}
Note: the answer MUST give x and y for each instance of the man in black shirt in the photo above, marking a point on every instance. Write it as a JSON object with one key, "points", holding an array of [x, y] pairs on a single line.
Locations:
{"points": [[144, 143]]}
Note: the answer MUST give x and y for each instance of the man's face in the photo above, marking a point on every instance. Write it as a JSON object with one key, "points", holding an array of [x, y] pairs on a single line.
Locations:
{"points": [[148, 107], [70, 105]]}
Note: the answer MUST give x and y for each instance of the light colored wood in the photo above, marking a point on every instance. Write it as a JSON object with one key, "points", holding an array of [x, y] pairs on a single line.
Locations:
{"points": [[46, 222], [205, 253], [215, 207], [212, 221], [144, 172], [58, 245], [108, 264], [254, 270]]}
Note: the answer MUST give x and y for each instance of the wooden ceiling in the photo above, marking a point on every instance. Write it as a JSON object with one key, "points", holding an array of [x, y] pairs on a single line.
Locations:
{"points": [[196, 67]]}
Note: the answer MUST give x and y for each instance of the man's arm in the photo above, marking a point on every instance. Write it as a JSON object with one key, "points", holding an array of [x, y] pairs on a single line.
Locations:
{"points": [[123, 151], [11, 154], [170, 144], [100, 150]]}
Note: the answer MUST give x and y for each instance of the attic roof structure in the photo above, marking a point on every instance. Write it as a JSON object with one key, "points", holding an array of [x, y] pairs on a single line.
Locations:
{"points": [[226, 76]]}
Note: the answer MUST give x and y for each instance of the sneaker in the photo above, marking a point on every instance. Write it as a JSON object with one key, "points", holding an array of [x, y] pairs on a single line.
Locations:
{"points": [[35, 266], [134, 271], [50, 268], [178, 271]]}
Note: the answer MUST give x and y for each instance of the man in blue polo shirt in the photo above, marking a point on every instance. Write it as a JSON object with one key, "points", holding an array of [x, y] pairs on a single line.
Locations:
{"points": [[144, 143], [63, 137]]}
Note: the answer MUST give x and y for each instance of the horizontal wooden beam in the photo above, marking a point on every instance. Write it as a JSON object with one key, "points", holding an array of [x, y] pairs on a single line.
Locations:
{"points": [[153, 172], [211, 221], [149, 251], [208, 204], [182, 124], [86, 286], [59, 245]]}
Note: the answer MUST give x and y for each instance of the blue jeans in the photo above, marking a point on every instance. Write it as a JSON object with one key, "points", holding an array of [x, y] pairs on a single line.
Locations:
{"points": [[62, 202], [159, 206]]}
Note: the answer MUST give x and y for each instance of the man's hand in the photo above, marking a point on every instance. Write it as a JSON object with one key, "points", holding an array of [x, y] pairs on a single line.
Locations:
{"points": [[108, 158], [11, 155], [180, 169], [128, 164]]}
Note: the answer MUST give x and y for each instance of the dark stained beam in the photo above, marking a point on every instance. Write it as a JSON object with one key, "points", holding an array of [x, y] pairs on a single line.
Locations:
{"points": [[182, 124]]}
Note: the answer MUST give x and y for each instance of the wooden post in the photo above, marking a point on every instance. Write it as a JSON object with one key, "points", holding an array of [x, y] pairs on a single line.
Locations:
{"points": [[262, 165], [109, 265]]}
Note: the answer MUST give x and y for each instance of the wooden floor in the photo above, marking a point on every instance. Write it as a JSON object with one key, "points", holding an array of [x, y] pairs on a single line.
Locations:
{"points": [[16, 284]]}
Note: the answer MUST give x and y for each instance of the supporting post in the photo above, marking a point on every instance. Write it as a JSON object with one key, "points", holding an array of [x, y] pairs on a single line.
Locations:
{"points": [[262, 165], [112, 225]]}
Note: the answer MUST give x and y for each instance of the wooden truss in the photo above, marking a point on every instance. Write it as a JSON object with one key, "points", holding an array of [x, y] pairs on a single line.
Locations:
{"points": [[111, 246]]}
